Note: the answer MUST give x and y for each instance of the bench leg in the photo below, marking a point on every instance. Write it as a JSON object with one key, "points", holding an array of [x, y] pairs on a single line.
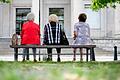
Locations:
{"points": [[58, 53], [92, 54], [81, 54], [74, 54], [87, 54], [58, 58], [27, 57], [16, 54], [39, 54]]}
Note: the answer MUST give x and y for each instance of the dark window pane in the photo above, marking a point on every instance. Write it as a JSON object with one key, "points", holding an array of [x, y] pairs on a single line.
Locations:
{"points": [[59, 12], [21, 18]]}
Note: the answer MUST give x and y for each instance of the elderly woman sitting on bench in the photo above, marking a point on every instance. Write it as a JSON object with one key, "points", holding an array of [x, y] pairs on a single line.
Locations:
{"points": [[30, 35]]}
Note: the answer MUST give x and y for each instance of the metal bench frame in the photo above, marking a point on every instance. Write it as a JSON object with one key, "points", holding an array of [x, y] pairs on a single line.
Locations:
{"points": [[87, 47]]}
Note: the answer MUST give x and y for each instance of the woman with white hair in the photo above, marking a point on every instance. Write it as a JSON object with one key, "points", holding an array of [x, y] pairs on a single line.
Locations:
{"points": [[30, 35], [52, 34]]}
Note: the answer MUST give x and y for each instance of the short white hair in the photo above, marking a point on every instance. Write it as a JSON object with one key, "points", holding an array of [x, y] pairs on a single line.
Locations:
{"points": [[53, 18], [30, 16]]}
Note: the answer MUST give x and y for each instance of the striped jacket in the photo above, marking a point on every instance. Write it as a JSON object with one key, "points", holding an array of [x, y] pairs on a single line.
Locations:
{"points": [[52, 33]]}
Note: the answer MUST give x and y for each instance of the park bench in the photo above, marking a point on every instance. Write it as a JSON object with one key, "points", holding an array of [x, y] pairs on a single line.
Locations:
{"points": [[87, 47]]}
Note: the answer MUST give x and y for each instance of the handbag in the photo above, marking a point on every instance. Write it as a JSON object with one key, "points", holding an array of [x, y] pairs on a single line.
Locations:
{"points": [[64, 40], [14, 39]]}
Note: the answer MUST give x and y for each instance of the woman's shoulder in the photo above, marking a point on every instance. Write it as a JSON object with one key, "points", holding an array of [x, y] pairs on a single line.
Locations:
{"points": [[35, 24], [84, 24], [77, 24], [80, 23], [25, 23], [46, 24]]}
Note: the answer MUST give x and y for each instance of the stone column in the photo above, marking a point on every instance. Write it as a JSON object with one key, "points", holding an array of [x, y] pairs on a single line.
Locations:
{"points": [[1, 21], [4, 21], [103, 23], [41, 17], [110, 24], [117, 21], [77, 7], [35, 9]]}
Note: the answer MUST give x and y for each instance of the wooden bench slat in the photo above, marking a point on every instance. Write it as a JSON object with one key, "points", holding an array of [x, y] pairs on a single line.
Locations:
{"points": [[52, 46], [52, 54]]}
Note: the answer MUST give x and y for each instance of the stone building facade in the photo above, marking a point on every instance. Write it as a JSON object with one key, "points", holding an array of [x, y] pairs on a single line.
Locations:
{"points": [[104, 24]]}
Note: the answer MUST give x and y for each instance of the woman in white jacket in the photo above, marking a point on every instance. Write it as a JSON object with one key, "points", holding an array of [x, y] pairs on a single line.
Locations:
{"points": [[81, 34]]}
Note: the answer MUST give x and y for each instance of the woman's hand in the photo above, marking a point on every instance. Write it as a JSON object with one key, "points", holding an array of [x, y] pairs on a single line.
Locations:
{"points": [[43, 44], [74, 35]]}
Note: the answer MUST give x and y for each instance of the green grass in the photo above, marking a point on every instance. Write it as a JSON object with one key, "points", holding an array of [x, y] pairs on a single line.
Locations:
{"points": [[57, 71]]}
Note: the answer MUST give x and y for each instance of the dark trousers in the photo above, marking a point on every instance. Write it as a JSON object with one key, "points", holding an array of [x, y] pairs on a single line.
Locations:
{"points": [[26, 53], [49, 51]]}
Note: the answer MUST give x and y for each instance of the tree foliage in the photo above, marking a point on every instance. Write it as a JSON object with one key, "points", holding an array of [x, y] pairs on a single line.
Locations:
{"points": [[5, 1], [98, 4]]}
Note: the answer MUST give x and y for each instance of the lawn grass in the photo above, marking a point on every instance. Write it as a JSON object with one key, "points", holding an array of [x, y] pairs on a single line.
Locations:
{"points": [[59, 71]]}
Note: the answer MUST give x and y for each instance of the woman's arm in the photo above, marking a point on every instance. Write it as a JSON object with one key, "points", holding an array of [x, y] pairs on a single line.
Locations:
{"points": [[74, 35], [75, 32]]}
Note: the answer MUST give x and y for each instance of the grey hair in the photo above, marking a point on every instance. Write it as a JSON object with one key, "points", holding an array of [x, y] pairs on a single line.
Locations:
{"points": [[53, 17], [30, 16]]}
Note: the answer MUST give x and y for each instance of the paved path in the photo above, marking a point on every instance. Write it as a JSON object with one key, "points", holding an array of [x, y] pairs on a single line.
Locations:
{"points": [[63, 58]]}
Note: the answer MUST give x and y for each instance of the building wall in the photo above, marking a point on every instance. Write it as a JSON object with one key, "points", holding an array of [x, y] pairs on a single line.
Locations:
{"points": [[58, 4], [109, 21], [117, 21], [22, 3], [77, 7], [19, 4], [96, 20], [35, 10]]}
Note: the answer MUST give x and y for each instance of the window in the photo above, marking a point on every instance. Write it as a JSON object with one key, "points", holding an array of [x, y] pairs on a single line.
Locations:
{"points": [[59, 12], [21, 18], [93, 18]]}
